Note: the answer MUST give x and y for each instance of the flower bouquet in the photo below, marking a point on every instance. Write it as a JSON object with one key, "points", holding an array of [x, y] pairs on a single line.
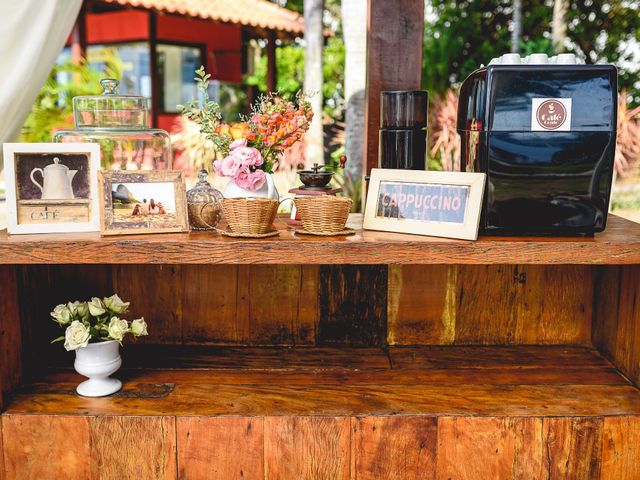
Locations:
{"points": [[250, 150], [94, 330], [95, 321]]}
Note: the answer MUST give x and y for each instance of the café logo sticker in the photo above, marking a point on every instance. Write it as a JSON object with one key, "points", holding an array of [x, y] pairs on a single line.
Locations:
{"points": [[551, 114]]}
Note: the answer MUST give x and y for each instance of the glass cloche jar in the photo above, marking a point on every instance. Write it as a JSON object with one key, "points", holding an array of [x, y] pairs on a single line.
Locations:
{"points": [[119, 123], [203, 204]]}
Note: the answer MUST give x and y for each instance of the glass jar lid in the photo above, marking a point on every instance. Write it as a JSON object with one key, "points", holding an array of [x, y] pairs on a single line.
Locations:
{"points": [[111, 110], [203, 192]]}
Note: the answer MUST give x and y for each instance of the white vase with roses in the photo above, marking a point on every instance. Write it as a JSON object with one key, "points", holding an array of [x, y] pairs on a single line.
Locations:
{"points": [[250, 151], [94, 330]]}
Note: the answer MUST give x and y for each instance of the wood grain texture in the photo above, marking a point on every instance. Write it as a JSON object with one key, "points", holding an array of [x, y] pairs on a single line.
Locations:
{"points": [[306, 448], [619, 244], [46, 447], [389, 25], [573, 447], [487, 381], [490, 304], [470, 448], [353, 305], [621, 448], [220, 448], [133, 447], [393, 448], [10, 333], [616, 324]]}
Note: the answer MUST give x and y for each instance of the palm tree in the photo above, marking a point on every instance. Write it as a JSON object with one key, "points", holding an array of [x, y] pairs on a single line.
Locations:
{"points": [[354, 28], [559, 25], [314, 41]]}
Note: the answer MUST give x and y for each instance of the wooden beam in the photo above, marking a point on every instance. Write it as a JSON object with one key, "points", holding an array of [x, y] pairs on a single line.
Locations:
{"points": [[394, 60], [79, 36], [272, 68], [153, 64]]}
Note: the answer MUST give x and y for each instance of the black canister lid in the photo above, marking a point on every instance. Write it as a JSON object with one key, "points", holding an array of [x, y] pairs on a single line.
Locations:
{"points": [[403, 109]]}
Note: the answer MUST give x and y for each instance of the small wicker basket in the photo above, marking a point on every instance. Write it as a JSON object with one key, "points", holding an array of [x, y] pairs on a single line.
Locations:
{"points": [[250, 216], [323, 214]]}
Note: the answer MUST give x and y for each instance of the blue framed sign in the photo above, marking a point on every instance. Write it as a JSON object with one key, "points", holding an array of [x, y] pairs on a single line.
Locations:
{"points": [[442, 204]]}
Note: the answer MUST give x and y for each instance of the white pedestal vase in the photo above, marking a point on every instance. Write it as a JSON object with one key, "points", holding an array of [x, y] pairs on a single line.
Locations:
{"points": [[97, 361], [268, 190]]}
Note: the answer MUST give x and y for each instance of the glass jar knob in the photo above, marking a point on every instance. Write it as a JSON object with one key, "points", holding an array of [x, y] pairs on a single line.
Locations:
{"points": [[110, 86]]}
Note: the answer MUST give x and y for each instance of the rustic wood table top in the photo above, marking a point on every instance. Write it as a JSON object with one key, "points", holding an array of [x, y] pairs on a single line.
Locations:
{"points": [[619, 244]]}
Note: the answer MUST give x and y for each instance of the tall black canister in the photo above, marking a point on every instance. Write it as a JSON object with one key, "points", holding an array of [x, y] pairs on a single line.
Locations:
{"points": [[403, 129]]}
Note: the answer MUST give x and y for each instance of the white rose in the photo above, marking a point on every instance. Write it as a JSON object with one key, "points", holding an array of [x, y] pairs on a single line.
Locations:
{"points": [[117, 328], [61, 314], [76, 335], [115, 304], [139, 327], [96, 308], [79, 309]]}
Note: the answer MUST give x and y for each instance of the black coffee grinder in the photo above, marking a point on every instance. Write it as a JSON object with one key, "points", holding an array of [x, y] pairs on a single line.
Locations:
{"points": [[403, 129]]}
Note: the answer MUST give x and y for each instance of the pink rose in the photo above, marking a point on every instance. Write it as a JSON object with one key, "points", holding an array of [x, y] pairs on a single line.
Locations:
{"points": [[229, 166], [217, 167], [248, 156], [250, 180], [241, 142]]}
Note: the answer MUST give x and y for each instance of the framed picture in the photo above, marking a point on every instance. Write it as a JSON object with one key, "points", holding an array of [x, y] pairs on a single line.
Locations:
{"points": [[136, 202], [440, 204], [52, 187]]}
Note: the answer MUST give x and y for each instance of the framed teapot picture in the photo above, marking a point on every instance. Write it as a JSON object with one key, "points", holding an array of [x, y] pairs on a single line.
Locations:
{"points": [[52, 187]]}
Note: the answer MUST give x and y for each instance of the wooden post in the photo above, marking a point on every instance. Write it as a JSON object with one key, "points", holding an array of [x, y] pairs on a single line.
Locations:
{"points": [[153, 64], [394, 60], [272, 68], [79, 36]]}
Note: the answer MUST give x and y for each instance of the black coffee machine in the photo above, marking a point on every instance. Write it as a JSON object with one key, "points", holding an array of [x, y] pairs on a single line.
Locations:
{"points": [[544, 132]]}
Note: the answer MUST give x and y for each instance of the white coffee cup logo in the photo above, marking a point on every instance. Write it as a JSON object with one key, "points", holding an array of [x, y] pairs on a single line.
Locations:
{"points": [[551, 114]]}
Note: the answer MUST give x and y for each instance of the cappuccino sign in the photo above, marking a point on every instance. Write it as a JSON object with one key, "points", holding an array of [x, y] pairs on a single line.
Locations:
{"points": [[550, 114], [440, 204]]}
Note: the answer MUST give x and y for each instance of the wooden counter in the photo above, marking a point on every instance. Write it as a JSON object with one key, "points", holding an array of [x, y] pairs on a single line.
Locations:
{"points": [[619, 244]]}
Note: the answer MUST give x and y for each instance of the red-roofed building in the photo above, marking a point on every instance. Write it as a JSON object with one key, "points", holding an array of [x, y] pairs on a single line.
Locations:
{"points": [[162, 42]]}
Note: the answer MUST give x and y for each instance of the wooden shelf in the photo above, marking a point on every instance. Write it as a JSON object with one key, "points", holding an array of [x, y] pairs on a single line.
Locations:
{"points": [[525, 381], [619, 244]]}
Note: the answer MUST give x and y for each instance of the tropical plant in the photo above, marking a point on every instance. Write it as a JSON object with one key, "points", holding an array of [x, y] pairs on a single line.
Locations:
{"points": [[628, 136], [444, 138], [53, 109]]}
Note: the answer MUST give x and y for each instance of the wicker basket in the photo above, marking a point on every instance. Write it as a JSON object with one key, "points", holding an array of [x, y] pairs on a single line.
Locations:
{"points": [[250, 216], [323, 214]]}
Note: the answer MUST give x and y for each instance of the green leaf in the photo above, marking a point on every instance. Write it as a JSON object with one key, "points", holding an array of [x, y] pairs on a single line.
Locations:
{"points": [[59, 339]]}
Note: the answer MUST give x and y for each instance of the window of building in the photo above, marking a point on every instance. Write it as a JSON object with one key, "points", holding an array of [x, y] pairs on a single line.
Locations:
{"points": [[134, 58], [176, 67]]}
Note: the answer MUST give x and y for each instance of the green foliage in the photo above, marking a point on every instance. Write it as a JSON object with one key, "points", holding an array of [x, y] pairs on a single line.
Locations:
{"points": [[206, 114], [53, 109], [461, 35], [290, 78]]}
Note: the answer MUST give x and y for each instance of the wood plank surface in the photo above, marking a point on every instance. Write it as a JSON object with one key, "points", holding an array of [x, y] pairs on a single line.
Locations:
{"points": [[46, 447], [573, 447], [490, 304], [306, 448], [393, 448], [619, 244], [220, 448], [132, 447], [621, 448], [352, 305], [470, 448], [10, 333], [616, 324], [486, 381]]}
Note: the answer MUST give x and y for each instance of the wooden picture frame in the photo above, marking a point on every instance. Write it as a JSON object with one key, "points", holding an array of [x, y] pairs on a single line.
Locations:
{"points": [[52, 187], [439, 204], [152, 215]]}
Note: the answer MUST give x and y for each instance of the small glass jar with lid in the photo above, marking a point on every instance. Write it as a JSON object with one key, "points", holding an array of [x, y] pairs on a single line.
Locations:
{"points": [[120, 124], [203, 204]]}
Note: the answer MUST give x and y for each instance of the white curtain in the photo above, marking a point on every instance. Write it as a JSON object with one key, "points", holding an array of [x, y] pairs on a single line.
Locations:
{"points": [[32, 34]]}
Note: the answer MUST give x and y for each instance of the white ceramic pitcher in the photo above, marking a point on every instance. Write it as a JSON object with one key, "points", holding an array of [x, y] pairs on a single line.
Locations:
{"points": [[56, 183]]}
